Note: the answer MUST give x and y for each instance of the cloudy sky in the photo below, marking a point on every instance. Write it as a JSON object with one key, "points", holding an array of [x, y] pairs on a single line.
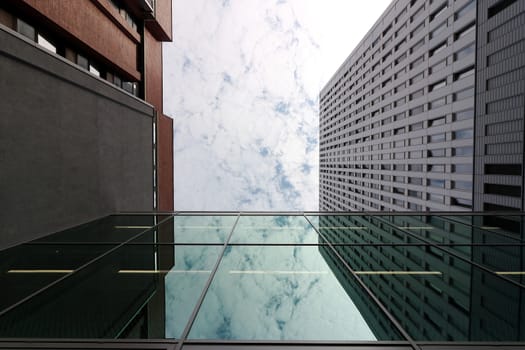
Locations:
{"points": [[242, 79]]}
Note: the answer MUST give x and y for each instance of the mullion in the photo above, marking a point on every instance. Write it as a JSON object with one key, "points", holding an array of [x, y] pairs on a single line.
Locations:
{"points": [[452, 253], [82, 267], [392, 319], [198, 305]]}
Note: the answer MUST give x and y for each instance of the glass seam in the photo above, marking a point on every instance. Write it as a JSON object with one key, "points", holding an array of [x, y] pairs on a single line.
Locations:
{"points": [[57, 281], [197, 307], [368, 291]]}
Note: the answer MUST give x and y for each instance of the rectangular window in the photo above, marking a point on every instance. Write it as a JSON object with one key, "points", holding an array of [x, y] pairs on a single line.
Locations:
{"points": [[503, 169], [439, 152], [462, 151], [462, 53], [471, 5], [463, 94], [462, 168], [415, 167], [437, 85], [463, 134], [417, 94], [464, 73], [438, 48], [499, 6], [464, 115], [464, 31], [437, 103], [462, 185], [436, 138], [439, 29], [436, 183], [416, 110], [504, 190], [438, 12], [436, 122]]}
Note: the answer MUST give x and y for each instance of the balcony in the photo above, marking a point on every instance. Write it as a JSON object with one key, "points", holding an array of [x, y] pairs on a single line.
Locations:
{"points": [[243, 280]]}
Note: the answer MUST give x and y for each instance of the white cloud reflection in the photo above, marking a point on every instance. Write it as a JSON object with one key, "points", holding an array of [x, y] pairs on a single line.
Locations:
{"points": [[242, 80]]}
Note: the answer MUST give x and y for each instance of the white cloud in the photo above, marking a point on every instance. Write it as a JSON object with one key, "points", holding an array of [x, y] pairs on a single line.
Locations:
{"points": [[242, 80]]}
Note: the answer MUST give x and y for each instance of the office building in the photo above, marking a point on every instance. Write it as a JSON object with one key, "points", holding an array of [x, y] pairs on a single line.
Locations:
{"points": [[426, 113], [83, 133]]}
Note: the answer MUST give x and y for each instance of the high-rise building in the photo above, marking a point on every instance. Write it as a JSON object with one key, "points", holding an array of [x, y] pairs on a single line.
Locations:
{"points": [[427, 111], [82, 133]]}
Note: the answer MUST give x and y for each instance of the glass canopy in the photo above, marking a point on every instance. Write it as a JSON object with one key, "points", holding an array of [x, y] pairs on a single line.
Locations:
{"points": [[315, 277]]}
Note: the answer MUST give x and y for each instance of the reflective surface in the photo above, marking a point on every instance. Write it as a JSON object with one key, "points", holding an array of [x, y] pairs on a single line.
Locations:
{"points": [[271, 277], [287, 293]]}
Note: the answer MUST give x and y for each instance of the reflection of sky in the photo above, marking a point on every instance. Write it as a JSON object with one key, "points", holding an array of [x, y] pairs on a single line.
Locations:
{"points": [[242, 80], [274, 229], [202, 229], [256, 295], [184, 284]]}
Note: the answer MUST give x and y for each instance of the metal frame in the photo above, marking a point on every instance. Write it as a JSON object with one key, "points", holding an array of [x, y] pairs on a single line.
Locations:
{"points": [[178, 344]]}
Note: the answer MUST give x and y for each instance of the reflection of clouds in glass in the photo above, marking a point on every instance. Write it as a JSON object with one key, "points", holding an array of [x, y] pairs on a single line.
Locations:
{"points": [[278, 293], [184, 284], [202, 229], [274, 229]]}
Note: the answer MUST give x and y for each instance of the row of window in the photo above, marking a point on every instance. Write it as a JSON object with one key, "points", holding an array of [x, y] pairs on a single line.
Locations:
{"points": [[60, 48], [324, 107]]}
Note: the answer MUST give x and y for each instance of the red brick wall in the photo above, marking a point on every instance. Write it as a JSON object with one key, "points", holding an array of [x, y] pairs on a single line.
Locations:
{"points": [[80, 17], [165, 124]]}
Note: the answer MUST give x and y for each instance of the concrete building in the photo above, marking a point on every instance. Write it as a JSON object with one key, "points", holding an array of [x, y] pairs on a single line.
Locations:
{"points": [[404, 122], [82, 133]]}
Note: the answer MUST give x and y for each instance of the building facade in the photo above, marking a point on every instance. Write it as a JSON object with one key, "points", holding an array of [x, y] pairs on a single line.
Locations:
{"points": [[403, 120], [84, 134]]}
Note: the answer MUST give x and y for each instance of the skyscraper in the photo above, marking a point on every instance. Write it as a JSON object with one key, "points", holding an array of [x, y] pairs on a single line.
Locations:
{"points": [[409, 122]]}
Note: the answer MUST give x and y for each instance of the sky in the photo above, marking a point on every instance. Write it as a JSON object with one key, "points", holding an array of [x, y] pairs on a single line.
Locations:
{"points": [[241, 81]]}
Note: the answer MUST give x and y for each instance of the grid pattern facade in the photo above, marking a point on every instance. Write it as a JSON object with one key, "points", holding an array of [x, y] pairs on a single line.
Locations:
{"points": [[500, 105], [397, 118]]}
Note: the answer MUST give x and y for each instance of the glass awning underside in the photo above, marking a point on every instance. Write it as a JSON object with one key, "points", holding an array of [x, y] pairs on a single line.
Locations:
{"points": [[274, 278]]}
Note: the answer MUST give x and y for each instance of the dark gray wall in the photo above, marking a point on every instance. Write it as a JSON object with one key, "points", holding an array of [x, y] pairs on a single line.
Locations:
{"points": [[72, 147], [500, 106]]}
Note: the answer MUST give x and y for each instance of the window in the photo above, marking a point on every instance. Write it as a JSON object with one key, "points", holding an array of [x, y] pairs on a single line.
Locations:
{"points": [[437, 103], [26, 29], [462, 185], [461, 202], [467, 50], [464, 31], [471, 5], [436, 138], [462, 151], [436, 183], [504, 190], [436, 198], [438, 152], [436, 122], [463, 134], [499, 6], [503, 169], [417, 45], [438, 48], [464, 115], [438, 66], [415, 167], [436, 168], [416, 126], [464, 73], [437, 85], [417, 94], [463, 94], [438, 30], [462, 168], [417, 62], [438, 12], [416, 110]]}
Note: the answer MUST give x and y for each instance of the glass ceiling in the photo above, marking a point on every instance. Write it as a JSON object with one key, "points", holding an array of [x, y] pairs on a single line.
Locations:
{"points": [[274, 277]]}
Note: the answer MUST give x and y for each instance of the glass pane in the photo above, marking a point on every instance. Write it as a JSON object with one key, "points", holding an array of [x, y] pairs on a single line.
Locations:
{"points": [[111, 229], [347, 229], [202, 229], [27, 268], [185, 282], [105, 300], [287, 293], [274, 229], [437, 297], [492, 228]]}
